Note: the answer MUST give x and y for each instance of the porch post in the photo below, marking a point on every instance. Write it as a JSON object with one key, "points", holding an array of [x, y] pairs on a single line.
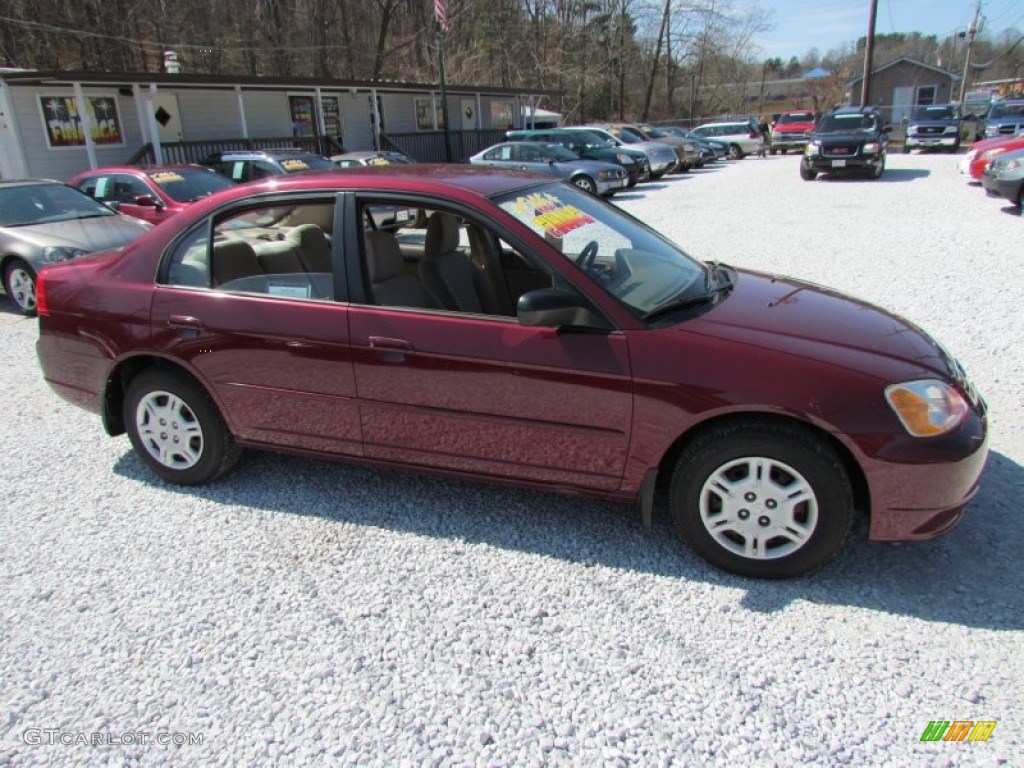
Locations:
{"points": [[241, 112], [83, 116], [154, 132], [320, 125], [479, 115], [376, 118]]}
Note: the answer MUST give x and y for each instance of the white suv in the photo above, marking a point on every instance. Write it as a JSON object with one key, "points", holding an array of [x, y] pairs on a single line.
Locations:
{"points": [[743, 136]]}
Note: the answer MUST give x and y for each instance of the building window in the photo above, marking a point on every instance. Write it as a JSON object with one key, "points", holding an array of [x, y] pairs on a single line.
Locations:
{"points": [[501, 114], [427, 110], [926, 95]]}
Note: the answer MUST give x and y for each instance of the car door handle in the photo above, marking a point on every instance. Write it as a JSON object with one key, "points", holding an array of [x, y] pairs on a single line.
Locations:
{"points": [[390, 350], [185, 321]]}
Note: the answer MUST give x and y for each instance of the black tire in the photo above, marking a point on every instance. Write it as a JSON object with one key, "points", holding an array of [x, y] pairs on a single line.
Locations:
{"points": [[774, 151], [585, 183], [735, 153], [204, 431], [655, 175], [906, 150], [807, 174], [876, 171], [797, 541], [20, 285]]}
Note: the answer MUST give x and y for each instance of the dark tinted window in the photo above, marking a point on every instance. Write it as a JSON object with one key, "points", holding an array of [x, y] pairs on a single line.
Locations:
{"points": [[188, 184]]}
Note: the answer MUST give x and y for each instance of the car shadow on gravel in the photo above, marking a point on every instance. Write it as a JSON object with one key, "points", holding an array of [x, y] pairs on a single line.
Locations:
{"points": [[969, 577], [891, 175]]}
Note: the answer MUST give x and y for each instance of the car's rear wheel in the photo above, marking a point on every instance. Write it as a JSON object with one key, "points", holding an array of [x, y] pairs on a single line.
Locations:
{"points": [[20, 284], [735, 152], [807, 174], [906, 149], [176, 429], [761, 499]]}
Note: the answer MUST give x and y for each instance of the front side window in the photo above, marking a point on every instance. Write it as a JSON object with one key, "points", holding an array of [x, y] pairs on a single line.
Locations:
{"points": [[630, 261], [439, 260], [281, 249]]}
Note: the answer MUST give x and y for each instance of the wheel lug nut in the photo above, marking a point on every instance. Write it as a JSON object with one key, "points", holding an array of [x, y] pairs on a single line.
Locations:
{"points": [[750, 496], [744, 514], [763, 521], [163, 422], [771, 504]]}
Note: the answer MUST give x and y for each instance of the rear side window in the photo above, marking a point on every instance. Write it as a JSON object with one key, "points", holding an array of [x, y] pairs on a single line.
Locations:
{"points": [[283, 249]]}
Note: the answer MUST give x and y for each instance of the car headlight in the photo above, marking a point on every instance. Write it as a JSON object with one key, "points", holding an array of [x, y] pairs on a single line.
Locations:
{"points": [[913, 128], [1009, 165], [871, 148], [991, 130], [624, 159], [952, 129], [813, 148], [53, 254], [608, 174], [927, 407]]}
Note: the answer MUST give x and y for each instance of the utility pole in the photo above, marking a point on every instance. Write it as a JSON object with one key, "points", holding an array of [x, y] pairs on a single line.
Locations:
{"points": [[972, 30], [869, 52]]}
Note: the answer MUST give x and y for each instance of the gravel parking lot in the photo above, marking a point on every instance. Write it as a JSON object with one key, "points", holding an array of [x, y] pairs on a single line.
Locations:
{"points": [[308, 613]]}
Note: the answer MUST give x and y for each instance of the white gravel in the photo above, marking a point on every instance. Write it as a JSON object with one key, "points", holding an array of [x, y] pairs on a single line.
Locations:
{"points": [[308, 613]]}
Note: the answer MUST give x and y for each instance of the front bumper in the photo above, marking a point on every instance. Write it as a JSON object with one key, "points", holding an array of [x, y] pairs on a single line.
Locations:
{"points": [[607, 187], [847, 164], [664, 164], [919, 488], [789, 141], [996, 186], [923, 141]]}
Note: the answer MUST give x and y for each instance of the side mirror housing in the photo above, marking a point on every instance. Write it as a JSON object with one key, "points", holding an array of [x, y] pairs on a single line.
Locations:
{"points": [[147, 201], [554, 308]]}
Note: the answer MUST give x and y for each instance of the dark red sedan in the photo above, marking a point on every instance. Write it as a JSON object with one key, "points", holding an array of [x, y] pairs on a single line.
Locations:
{"points": [[489, 324]]}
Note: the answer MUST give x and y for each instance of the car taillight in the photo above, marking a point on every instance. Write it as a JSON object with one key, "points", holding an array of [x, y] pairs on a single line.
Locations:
{"points": [[41, 309]]}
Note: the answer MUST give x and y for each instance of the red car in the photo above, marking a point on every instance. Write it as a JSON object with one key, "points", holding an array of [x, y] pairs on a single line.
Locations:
{"points": [[981, 154], [792, 130], [153, 194], [490, 324]]}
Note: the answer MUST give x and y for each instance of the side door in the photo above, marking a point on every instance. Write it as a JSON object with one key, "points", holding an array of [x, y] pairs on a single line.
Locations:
{"points": [[476, 391], [238, 302]]}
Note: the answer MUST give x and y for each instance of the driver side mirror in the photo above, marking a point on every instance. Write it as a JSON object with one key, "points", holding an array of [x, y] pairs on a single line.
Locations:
{"points": [[147, 201], [555, 308]]}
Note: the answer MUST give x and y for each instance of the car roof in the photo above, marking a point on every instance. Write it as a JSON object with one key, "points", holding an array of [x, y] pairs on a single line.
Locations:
{"points": [[417, 178], [145, 169], [27, 182], [283, 152]]}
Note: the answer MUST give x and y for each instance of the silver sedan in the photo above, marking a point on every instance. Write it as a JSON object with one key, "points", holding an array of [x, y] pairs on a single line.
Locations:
{"points": [[43, 222], [593, 176]]}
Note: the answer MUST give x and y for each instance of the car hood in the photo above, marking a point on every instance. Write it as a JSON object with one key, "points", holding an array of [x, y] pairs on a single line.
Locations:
{"points": [[810, 320], [90, 234]]}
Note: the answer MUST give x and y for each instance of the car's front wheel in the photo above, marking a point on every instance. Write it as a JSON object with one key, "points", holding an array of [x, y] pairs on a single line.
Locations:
{"points": [[761, 499], [877, 170], [176, 428], [20, 284], [735, 152], [807, 174], [585, 183]]}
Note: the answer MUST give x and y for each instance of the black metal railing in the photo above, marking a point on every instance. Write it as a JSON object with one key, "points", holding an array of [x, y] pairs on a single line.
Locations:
{"points": [[428, 146], [181, 152]]}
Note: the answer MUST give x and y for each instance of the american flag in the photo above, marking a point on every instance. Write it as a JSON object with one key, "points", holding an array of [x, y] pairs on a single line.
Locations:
{"points": [[442, 14]]}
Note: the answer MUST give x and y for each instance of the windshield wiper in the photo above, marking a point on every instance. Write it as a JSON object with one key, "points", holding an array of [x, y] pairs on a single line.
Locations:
{"points": [[712, 289]]}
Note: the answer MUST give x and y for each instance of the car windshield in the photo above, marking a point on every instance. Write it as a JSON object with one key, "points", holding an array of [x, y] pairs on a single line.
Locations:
{"points": [[557, 152], [26, 204], [799, 117], [848, 123], [655, 133], [189, 184], [623, 136], [632, 262], [935, 113], [307, 163], [1007, 110]]}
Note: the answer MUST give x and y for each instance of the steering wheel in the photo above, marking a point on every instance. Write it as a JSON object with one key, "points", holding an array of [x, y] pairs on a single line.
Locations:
{"points": [[587, 256]]}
